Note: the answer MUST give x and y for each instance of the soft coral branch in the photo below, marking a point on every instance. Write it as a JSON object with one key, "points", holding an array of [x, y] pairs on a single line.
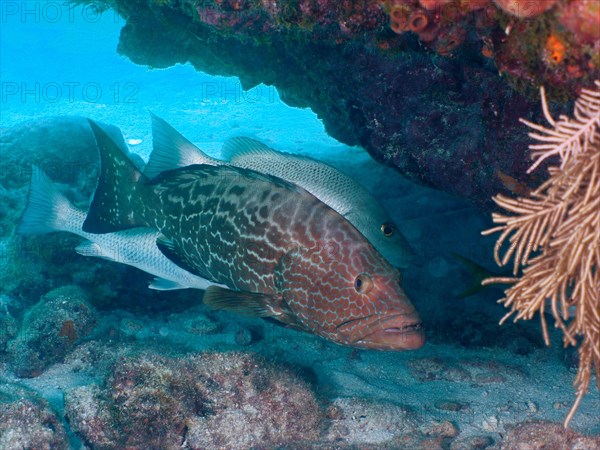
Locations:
{"points": [[553, 236]]}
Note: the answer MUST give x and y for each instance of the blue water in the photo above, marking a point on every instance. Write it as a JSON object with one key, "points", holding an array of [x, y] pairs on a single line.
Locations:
{"points": [[41, 76], [59, 60]]}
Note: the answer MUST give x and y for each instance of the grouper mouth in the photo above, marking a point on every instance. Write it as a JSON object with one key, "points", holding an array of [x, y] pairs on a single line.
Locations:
{"points": [[390, 332]]}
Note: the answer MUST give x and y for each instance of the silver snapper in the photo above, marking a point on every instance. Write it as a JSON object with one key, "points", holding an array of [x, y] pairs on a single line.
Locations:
{"points": [[340, 192], [49, 211]]}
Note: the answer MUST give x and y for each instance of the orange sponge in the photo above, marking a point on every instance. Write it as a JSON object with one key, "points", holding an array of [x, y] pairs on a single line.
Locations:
{"points": [[525, 8]]}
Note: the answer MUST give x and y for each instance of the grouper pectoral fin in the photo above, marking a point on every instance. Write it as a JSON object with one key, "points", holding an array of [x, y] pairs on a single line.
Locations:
{"points": [[179, 257], [116, 200], [171, 150], [246, 303]]}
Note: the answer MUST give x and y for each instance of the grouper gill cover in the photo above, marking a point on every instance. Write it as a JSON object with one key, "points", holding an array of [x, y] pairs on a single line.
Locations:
{"points": [[281, 252]]}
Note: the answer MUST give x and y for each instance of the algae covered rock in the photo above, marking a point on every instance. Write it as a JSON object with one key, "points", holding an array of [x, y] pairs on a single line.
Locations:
{"points": [[50, 330], [65, 151], [90, 416], [251, 403], [360, 421], [211, 400], [27, 422], [9, 325], [63, 147], [539, 435]]}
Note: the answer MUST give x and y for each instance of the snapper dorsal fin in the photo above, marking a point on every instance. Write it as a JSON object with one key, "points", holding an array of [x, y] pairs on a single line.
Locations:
{"points": [[243, 146], [170, 150], [117, 198], [48, 210]]}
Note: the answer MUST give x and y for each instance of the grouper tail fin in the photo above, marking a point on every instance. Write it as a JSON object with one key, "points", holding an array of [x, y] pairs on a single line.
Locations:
{"points": [[118, 199]]}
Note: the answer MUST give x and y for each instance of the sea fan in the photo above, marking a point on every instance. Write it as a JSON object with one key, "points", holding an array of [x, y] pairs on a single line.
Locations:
{"points": [[553, 236]]}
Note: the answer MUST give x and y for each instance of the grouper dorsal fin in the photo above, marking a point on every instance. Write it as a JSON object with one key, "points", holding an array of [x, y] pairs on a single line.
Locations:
{"points": [[116, 199], [243, 147], [246, 303], [170, 150]]}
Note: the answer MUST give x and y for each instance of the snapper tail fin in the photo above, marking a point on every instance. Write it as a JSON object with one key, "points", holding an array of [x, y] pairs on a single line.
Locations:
{"points": [[48, 210]]}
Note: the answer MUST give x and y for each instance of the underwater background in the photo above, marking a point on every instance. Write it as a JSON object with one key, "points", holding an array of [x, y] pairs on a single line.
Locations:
{"points": [[92, 358]]}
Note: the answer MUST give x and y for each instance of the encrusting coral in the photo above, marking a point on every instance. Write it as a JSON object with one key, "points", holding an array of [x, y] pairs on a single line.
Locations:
{"points": [[554, 236], [515, 34]]}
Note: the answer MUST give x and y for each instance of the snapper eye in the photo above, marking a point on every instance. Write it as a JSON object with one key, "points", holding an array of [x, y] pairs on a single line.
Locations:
{"points": [[363, 283], [388, 229]]}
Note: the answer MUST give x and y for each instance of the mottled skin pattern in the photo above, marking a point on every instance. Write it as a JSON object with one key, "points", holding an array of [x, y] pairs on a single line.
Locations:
{"points": [[257, 233], [170, 150]]}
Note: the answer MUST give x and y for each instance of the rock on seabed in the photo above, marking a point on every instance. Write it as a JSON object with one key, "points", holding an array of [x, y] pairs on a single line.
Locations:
{"points": [[212, 400]]}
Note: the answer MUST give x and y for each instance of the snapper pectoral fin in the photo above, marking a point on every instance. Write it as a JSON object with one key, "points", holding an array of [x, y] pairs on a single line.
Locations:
{"points": [[162, 284], [246, 303], [88, 248]]}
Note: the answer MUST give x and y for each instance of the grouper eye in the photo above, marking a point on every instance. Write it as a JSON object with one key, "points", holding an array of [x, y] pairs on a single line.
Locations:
{"points": [[388, 229], [363, 283]]}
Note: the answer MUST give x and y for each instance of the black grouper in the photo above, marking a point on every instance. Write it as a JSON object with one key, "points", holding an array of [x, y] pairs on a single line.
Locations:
{"points": [[281, 252]]}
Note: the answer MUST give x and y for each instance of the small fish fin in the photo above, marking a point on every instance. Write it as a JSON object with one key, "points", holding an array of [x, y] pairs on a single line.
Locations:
{"points": [[244, 146], [177, 256], [472, 289], [512, 184], [246, 303], [89, 248], [478, 272], [116, 198], [162, 284], [170, 150], [48, 210]]}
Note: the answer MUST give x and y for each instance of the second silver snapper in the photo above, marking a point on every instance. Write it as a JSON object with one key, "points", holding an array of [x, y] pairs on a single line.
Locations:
{"points": [[340, 192], [49, 211]]}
